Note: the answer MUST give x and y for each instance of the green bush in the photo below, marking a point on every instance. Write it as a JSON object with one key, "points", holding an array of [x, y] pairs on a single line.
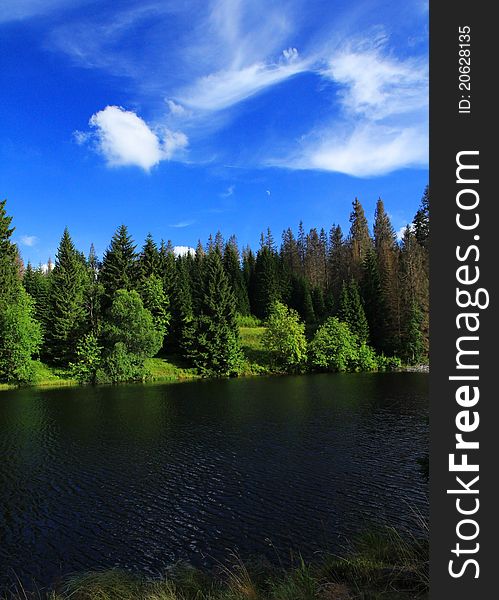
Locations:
{"points": [[285, 337], [88, 360], [334, 347]]}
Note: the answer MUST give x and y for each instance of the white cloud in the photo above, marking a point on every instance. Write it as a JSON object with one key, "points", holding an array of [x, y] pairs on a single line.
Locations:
{"points": [[182, 224], [228, 192], [183, 250], [290, 54], [369, 150], [378, 86], [175, 109], [29, 240], [383, 122], [402, 230], [228, 87], [16, 10], [124, 139]]}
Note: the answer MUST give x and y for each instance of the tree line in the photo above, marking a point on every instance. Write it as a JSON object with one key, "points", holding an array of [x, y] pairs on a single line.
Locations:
{"points": [[103, 317]]}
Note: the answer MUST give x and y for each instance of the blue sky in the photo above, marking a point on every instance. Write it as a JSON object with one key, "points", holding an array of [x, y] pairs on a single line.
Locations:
{"points": [[182, 118]]}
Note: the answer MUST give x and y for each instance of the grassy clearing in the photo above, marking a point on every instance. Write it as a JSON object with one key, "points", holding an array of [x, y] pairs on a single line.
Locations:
{"points": [[257, 360], [381, 565], [169, 369]]}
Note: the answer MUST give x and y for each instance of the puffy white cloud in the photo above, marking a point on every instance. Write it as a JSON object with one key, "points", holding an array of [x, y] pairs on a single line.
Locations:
{"points": [[183, 250], [124, 139]]}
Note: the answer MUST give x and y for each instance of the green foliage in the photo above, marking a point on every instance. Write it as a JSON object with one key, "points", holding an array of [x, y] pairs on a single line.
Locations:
{"points": [[20, 338], [285, 337], [215, 347], [67, 314], [351, 311], [88, 360], [422, 220], [119, 268], [131, 325], [120, 365], [156, 301], [366, 359], [234, 274], [334, 347], [266, 286]]}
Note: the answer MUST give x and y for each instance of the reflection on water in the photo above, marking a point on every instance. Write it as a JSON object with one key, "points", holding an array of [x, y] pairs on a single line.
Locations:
{"points": [[143, 476]]}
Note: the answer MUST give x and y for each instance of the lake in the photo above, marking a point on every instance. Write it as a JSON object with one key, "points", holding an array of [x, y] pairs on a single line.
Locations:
{"points": [[142, 476]]}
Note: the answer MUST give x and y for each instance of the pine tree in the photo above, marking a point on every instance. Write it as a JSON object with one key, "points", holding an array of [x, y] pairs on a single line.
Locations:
{"points": [[149, 259], [119, 265], [234, 274], [414, 284], [387, 254], [37, 284], [216, 346], [67, 313], [180, 336], [422, 220], [266, 290], [20, 334], [94, 292], [359, 240], [352, 312], [373, 300]]}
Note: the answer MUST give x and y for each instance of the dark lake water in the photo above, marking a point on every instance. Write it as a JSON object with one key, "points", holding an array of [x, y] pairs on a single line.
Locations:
{"points": [[142, 476]]}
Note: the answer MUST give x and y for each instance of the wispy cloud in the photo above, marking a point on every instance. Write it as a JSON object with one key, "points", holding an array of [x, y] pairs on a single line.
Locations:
{"points": [[228, 192], [383, 120], [29, 240], [182, 224], [124, 139], [226, 52]]}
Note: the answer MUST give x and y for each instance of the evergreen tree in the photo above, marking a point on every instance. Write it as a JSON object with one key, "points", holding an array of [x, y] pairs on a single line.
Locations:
{"points": [[156, 302], [359, 240], [373, 300], [352, 312], [94, 292], [266, 285], [20, 334], [181, 331], [67, 314], [216, 348], [37, 284], [149, 259], [422, 220], [234, 274], [387, 254], [119, 265]]}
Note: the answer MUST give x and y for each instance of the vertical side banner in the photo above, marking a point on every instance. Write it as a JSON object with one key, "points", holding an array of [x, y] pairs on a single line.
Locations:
{"points": [[463, 359]]}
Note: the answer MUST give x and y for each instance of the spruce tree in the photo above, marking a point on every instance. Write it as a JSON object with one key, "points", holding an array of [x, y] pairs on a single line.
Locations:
{"points": [[149, 259], [119, 265], [37, 284], [67, 311], [180, 335], [266, 284], [387, 254], [20, 334], [421, 221], [359, 240], [352, 312], [216, 347], [233, 271]]}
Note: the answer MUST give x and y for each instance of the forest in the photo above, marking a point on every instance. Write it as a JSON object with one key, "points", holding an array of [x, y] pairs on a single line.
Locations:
{"points": [[327, 301]]}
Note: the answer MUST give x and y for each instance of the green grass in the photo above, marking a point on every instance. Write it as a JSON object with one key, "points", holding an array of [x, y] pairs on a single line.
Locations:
{"points": [[169, 369], [257, 360], [380, 565]]}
